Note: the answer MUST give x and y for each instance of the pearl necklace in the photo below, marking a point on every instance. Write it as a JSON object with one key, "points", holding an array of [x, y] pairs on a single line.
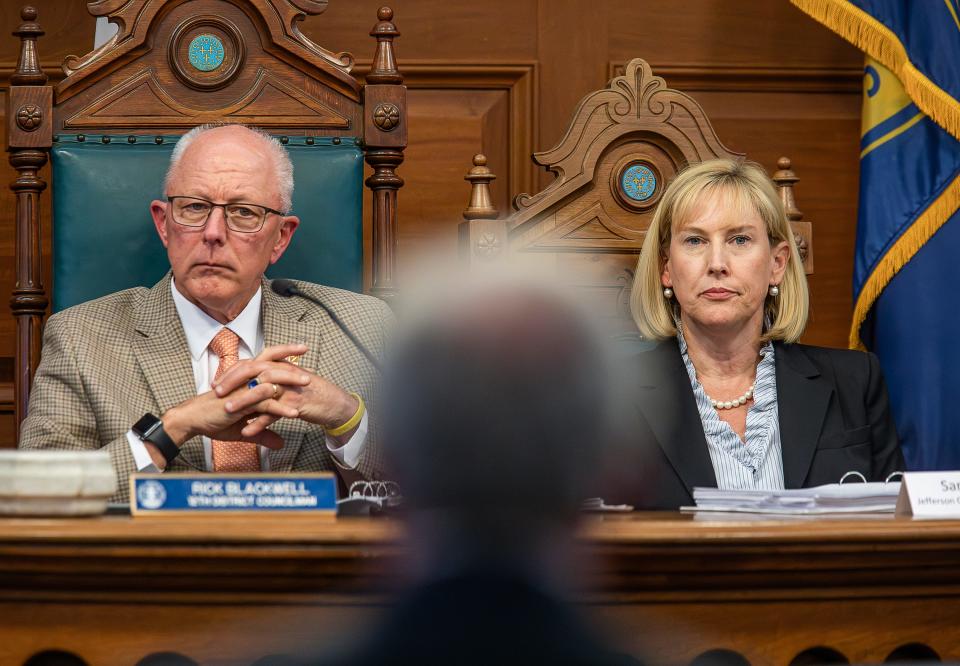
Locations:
{"points": [[722, 404], [730, 404]]}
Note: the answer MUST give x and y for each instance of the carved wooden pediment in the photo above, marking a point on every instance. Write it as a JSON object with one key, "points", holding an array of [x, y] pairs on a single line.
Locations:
{"points": [[623, 145], [143, 102], [275, 21]]}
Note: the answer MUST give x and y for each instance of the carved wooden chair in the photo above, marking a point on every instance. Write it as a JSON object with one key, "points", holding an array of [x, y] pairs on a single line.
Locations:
{"points": [[108, 128], [624, 144]]}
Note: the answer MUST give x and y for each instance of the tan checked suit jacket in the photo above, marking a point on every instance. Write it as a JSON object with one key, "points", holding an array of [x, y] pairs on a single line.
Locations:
{"points": [[107, 362]]}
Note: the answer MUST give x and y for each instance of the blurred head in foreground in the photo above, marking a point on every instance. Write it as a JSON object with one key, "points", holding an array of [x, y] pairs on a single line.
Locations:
{"points": [[496, 411]]}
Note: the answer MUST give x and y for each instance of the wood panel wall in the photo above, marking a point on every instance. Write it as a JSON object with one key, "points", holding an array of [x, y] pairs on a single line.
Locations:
{"points": [[502, 77]]}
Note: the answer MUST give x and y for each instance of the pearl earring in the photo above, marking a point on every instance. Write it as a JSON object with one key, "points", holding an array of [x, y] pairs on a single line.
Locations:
{"points": [[774, 290], [667, 293]]}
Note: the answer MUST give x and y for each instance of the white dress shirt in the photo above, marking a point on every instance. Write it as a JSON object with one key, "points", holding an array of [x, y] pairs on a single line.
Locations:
{"points": [[200, 329]]}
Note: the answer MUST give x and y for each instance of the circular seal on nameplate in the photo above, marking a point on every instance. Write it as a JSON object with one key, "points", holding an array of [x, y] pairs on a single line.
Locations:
{"points": [[638, 182], [151, 494], [206, 52]]}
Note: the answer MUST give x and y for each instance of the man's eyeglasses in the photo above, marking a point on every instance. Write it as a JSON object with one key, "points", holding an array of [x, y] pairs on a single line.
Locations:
{"points": [[243, 217]]}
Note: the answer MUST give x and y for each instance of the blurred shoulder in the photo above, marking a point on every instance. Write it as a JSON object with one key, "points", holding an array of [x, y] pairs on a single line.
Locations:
{"points": [[632, 345], [636, 351], [637, 362]]}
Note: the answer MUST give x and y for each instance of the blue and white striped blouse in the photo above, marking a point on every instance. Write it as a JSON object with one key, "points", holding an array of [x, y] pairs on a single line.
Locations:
{"points": [[758, 463]]}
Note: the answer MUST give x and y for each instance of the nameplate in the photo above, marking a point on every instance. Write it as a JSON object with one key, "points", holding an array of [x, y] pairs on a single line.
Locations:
{"points": [[166, 494], [929, 495]]}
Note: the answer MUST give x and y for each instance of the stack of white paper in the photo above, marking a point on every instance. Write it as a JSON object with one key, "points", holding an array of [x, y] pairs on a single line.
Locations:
{"points": [[833, 498]]}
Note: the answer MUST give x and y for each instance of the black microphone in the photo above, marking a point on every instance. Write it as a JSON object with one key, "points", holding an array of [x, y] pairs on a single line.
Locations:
{"points": [[288, 288]]}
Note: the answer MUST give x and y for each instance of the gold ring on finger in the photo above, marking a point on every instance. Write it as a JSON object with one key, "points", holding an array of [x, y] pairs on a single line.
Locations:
{"points": [[276, 391]]}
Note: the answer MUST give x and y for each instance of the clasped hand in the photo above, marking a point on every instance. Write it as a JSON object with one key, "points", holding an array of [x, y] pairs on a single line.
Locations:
{"points": [[235, 410], [281, 390]]}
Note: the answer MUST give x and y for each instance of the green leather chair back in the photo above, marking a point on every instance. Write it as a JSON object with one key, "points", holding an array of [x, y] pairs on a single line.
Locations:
{"points": [[104, 239]]}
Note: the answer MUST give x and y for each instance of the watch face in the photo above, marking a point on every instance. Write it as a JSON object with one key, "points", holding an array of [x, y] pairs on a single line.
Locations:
{"points": [[145, 425]]}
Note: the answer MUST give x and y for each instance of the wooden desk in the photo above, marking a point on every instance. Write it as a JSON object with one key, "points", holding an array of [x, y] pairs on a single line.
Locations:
{"points": [[229, 590]]}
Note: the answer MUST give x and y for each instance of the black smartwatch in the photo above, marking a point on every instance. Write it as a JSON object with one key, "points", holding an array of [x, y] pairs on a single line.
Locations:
{"points": [[150, 429]]}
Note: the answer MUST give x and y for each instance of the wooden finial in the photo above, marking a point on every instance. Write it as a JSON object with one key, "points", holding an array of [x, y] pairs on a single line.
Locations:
{"points": [[28, 72], [481, 203], [384, 68], [785, 180]]}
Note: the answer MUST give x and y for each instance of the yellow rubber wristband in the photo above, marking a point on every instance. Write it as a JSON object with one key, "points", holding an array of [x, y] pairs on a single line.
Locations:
{"points": [[352, 421]]}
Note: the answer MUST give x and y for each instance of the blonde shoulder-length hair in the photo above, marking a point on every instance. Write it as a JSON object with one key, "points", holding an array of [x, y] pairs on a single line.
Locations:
{"points": [[746, 185]]}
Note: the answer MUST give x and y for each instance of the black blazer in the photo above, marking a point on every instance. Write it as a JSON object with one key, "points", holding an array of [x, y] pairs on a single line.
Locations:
{"points": [[834, 418]]}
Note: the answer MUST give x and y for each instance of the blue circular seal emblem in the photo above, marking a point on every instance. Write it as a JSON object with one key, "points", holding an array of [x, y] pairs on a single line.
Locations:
{"points": [[206, 52], [638, 182], [151, 494]]}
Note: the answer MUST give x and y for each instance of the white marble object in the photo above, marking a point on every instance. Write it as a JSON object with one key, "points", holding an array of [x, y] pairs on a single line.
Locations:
{"points": [[55, 483]]}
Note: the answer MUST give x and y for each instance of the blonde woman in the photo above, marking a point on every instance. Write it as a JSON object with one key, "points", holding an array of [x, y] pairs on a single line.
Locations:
{"points": [[728, 398]]}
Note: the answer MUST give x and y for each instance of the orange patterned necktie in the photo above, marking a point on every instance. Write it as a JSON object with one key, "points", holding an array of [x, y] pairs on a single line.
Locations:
{"points": [[231, 456]]}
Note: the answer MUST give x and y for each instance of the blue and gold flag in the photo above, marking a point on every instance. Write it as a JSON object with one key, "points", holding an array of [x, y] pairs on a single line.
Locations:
{"points": [[907, 262]]}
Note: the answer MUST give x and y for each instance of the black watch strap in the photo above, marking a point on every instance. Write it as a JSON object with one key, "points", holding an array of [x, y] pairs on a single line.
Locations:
{"points": [[150, 429]]}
